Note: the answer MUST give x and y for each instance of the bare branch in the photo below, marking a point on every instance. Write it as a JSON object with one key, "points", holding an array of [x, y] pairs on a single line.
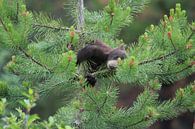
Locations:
{"points": [[80, 15]]}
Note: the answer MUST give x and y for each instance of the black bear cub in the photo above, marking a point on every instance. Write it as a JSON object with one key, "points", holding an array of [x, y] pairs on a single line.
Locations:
{"points": [[98, 53]]}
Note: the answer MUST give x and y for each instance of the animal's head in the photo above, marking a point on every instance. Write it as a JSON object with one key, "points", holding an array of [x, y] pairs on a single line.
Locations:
{"points": [[114, 55]]}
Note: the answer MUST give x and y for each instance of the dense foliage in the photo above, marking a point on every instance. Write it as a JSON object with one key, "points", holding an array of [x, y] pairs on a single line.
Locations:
{"points": [[44, 59]]}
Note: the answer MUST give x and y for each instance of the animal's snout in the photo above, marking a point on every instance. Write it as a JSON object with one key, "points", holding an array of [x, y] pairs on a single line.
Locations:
{"points": [[112, 64]]}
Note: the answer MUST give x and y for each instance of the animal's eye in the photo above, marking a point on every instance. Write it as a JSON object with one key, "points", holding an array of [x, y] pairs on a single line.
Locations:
{"points": [[116, 57], [122, 57]]}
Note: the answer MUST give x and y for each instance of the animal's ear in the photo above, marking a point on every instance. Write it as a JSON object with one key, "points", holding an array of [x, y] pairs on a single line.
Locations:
{"points": [[122, 47]]}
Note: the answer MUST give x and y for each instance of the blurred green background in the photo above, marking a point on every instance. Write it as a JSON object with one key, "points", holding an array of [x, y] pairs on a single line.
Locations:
{"points": [[151, 15]]}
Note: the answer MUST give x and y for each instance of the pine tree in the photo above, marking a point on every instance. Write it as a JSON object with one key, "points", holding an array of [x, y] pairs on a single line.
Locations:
{"points": [[44, 51]]}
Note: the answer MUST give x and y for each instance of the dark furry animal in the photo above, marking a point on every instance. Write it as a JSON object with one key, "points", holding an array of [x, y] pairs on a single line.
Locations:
{"points": [[98, 53]]}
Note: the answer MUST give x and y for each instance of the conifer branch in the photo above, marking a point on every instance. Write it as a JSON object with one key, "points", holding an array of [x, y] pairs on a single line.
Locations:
{"points": [[173, 44], [5, 28], [190, 36], [53, 27], [158, 58], [7, 59], [111, 19], [23, 51], [179, 71], [34, 60], [52, 86], [130, 125], [186, 68], [136, 123], [168, 55], [105, 100], [92, 99], [116, 125], [97, 105], [103, 104], [2, 23], [17, 11]]}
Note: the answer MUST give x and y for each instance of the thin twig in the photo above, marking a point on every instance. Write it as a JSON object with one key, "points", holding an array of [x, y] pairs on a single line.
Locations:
{"points": [[173, 44], [190, 36], [105, 100]]}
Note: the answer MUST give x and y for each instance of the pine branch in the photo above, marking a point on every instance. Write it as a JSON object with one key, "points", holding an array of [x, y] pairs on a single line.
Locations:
{"points": [[168, 55], [2, 23], [158, 58], [34, 60], [17, 11], [93, 100], [105, 100], [5, 28], [141, 107], [53, 86], [53, 27], [136, 123], [99, 108], [173, 44], [7, 58], [186, 68], [23, 51], [130, 125], [179, 71], [190, 36]]}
